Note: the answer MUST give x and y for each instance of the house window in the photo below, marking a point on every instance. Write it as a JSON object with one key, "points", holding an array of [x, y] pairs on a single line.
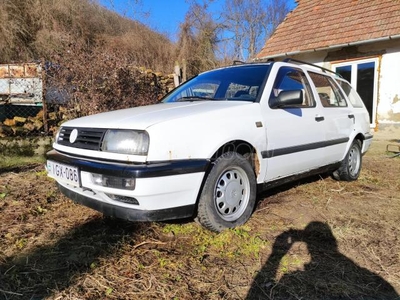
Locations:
{"points": [[362, 74]]}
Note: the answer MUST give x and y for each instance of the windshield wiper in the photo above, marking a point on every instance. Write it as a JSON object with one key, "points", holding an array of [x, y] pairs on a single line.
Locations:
{"points": [[193, 98]]}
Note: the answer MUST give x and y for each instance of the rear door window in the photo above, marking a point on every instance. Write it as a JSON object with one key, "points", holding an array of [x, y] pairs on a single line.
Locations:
{"points": [[328, 91]]}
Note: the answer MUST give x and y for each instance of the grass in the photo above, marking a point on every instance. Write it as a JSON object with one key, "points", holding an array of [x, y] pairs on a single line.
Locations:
{"points": [[53, 248], [10, 162], [233, 243], [20, 152]]}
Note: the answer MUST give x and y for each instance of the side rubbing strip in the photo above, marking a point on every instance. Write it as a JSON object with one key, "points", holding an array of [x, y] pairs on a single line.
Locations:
{"points": [[300, 148]]}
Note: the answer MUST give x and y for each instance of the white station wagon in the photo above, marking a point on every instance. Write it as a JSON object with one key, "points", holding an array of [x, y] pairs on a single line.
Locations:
{"points": [[212, 143]]}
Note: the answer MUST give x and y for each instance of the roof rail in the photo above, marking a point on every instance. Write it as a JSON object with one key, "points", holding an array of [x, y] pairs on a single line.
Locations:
{"points": [[238, 62], [310, 64]]}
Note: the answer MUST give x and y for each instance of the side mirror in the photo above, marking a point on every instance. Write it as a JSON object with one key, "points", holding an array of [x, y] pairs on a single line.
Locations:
{"points": [[287, 99]]}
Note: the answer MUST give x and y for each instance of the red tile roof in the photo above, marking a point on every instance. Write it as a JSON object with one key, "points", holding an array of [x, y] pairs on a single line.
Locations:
{"points": [[316, 24]]}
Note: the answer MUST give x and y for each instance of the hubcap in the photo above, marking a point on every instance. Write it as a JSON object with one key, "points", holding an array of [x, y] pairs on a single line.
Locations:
{"points": [[354, 161], [232, 194]]}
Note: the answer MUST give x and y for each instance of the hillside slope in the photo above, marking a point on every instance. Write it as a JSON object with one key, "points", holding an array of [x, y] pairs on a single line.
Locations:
{"points": [[37, 29]]}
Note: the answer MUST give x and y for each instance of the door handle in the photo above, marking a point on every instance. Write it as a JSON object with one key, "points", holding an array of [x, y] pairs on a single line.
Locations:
{"points": [[319, 118], [351, 116]]}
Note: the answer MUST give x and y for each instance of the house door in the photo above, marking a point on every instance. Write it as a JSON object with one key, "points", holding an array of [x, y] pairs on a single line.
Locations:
{"points": [[363, 76]]}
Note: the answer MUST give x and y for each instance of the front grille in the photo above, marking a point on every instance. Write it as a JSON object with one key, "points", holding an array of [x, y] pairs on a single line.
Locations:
{"points": [[88, 138]]}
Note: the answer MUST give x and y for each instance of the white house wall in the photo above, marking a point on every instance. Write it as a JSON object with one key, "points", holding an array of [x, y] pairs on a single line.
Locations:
{"points": [[389, 89]]}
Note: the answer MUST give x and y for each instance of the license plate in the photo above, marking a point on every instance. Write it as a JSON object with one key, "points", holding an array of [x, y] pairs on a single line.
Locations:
{"points": [[64, 173]]}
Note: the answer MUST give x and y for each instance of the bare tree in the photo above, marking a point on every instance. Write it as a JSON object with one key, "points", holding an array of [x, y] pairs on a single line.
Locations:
{"points": [[248, 23], [198, 38]]}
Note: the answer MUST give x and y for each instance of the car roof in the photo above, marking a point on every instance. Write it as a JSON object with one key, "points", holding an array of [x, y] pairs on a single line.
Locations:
{"points": [[288, 62]]}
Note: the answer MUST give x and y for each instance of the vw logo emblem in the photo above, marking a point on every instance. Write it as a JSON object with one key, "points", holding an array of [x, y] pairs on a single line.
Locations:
{"points": [[73, 136]]}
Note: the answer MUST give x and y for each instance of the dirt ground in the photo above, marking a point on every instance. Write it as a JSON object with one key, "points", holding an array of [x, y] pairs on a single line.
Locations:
{"points": [[313, 239]]}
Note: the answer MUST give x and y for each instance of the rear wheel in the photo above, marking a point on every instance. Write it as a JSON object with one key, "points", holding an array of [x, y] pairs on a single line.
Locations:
{"points": [[351, 165], [229, 193]]}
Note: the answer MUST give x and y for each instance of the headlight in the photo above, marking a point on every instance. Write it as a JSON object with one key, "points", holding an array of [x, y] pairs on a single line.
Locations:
{"points": [[126, 142]]}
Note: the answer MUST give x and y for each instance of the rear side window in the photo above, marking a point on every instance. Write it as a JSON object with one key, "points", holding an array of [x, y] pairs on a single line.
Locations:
{"points": [[290, 79], [328, 91], [351, 93]]}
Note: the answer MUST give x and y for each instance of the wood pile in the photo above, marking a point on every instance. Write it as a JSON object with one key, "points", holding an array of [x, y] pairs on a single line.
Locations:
{"points": [[166, 81], [22, 126], [39, 124]]}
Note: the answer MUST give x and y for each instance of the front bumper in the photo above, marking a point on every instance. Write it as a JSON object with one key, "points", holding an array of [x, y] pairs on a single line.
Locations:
{"points": [[163, 190], [88, 198]]}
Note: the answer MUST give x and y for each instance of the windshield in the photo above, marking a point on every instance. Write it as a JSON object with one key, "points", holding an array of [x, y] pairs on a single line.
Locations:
{"points": [[241, 83]]}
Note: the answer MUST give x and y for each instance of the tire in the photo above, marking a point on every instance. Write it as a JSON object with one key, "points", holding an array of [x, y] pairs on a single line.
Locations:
{"points": [[229, 193], [351, 165]]}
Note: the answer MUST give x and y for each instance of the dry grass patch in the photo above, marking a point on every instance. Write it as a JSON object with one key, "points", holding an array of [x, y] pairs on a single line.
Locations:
{"points": [[315, 239]]}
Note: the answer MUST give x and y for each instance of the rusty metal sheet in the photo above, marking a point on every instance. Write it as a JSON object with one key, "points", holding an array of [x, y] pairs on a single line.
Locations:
{"points": [[21, 83], [29, 70], [4, 72], [17, 71], [32, 70]]}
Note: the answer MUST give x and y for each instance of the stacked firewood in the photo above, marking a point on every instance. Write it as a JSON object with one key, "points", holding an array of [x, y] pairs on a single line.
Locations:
{"points": [[48, 124], [22, 126]]}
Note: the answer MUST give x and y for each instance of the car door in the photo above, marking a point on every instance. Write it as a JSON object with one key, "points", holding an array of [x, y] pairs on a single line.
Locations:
{"points": [[339, 118], [362, 118], [295, 134]]}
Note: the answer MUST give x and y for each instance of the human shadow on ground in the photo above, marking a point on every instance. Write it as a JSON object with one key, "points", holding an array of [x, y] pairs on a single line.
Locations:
{"points": [[329, 274], [54, 267]]}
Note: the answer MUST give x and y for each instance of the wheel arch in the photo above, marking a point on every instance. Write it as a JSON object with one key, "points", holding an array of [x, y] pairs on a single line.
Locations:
{"points": [[359, 137], [243, 148]]}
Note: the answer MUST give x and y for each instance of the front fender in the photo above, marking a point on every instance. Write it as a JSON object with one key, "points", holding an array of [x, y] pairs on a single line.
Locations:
{"points": [[199, 136]]}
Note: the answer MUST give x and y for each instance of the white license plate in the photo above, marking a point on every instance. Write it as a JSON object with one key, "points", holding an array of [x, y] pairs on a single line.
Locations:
{"points": [[64, 173]]}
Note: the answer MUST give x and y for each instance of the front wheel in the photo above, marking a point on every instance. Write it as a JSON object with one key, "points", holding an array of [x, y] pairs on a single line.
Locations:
{"points": [[229, 193], [351, 165]]}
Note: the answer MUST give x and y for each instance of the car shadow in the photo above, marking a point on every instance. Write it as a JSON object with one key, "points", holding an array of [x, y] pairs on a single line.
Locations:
{"points": [[53, 267], [275, 189], [329, 274]]}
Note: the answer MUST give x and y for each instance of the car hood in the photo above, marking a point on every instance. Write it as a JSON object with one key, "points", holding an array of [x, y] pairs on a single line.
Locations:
{"points": [[145, 116]]}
